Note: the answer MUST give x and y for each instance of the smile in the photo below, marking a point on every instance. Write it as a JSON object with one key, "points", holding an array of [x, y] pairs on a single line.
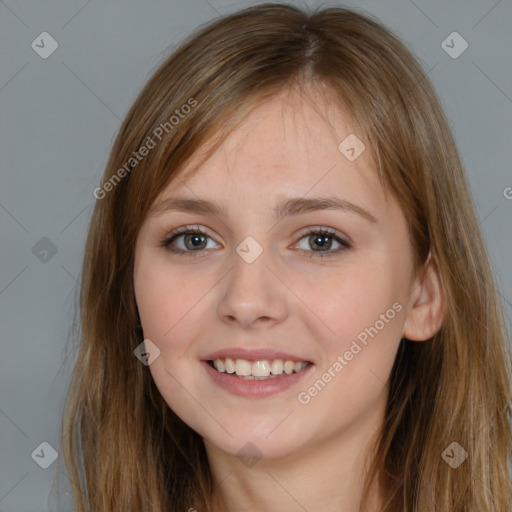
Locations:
{"points": [[257, 378], [257, 370]]}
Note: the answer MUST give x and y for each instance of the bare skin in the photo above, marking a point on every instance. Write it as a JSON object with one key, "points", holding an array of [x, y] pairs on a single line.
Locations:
{"points": [[311, 453]]}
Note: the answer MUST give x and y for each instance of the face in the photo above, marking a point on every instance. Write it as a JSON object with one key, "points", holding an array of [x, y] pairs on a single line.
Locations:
{"points": [[269, 275]]}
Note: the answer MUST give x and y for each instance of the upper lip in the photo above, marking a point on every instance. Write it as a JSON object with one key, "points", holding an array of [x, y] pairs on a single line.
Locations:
{"points": [[253, 355]]}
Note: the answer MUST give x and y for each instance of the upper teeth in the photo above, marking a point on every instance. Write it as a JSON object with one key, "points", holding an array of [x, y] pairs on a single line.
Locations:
{"points": [[260, 368]]}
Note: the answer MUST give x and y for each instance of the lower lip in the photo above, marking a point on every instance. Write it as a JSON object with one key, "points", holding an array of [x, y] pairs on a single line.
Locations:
{"points": [[254, 388]]}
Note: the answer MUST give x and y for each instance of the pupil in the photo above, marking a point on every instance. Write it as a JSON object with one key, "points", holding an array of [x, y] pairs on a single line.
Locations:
{"points": [[320, 240], [195, 238]]}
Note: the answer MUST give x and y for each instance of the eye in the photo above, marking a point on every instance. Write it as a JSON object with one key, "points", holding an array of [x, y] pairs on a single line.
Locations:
{"points": [[321, 241], [192, 240]]}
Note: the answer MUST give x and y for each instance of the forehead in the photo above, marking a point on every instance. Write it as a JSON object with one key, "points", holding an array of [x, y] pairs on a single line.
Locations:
{"points": [[292, 144]]}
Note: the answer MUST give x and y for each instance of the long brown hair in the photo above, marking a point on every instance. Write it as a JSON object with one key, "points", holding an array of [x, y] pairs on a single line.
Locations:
{"points": [[124, 448]]}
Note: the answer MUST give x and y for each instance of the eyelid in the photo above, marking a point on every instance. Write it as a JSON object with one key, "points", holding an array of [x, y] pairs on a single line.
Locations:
{"points": [[303, 232], [331, 231], [185, 230]]}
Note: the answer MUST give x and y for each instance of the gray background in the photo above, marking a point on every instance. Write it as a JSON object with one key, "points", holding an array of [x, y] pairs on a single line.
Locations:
{"points": [[59, 117]]}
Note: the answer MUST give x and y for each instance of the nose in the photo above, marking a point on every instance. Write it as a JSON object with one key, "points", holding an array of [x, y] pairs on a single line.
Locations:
{"points": [[252, 296]]}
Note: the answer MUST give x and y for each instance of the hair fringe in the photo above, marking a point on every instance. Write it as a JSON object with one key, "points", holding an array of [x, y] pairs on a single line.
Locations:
{"points": [[125, 449]]}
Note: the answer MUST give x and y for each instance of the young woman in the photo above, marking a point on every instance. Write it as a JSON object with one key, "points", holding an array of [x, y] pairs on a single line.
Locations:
{"points": [[286, 302]]}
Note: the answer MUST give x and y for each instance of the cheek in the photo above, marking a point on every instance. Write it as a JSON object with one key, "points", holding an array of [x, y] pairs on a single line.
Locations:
{"points": [[354, 301], [166, 301], [164, 298], [364, 313], [171, 309]]}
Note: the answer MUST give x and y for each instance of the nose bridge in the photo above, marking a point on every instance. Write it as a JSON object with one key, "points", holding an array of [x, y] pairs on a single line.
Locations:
{"points": [[251, 291]]}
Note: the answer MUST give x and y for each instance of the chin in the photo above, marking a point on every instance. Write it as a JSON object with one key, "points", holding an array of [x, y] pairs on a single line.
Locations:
{"points": [[251, 448]]}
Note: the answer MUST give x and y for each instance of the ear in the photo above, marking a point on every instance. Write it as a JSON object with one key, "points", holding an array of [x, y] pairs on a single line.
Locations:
{"points": [[427, 304]]}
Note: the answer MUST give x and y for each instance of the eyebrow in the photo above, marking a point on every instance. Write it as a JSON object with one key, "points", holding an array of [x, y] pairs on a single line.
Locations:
{"points": [[291, 206]]}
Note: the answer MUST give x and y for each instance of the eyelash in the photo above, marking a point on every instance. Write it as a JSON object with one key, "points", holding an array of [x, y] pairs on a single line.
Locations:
{"points": [[196, 230]]}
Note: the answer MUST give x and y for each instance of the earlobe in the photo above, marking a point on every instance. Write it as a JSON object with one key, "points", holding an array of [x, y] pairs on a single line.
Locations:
{"points": [[427, 307]]}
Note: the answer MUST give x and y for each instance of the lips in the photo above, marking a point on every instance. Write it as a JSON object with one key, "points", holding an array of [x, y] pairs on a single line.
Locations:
{"points": [[254, 355], [255, 373], [254, 388]]}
